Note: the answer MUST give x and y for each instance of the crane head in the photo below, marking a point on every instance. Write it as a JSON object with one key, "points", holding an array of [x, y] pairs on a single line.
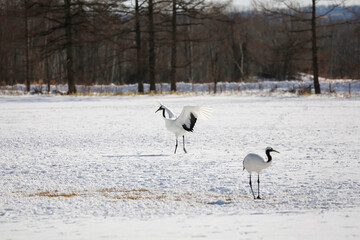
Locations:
{"points": [[270, 149], [160, 108]]}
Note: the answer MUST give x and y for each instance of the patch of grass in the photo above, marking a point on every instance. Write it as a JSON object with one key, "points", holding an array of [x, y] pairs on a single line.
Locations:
{"points": [[304, 90], [138, 194], [132, 194], [11, 92], [274, 88], [55, 193], [107, 190]]}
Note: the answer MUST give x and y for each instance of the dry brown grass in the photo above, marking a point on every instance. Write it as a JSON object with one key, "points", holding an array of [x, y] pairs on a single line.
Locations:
{"points": [[55, 193], [139, 194], [133, 194]]}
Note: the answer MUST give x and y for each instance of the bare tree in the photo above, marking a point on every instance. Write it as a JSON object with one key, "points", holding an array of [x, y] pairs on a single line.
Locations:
{"points": [[152, 57], [301, 14], [69, 47], [139, 62], [173, 45], [26, 38], [314, 49], [101, 42]]}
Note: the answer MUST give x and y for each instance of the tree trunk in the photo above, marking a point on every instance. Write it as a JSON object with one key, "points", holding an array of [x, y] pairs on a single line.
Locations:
{"points": [[113, 66], [188, 49], [46, 65], [173, 48], [123, 75], [314, 49], [139, 67], [69, 52], [214, 66], [151, 47], [47, 74], [27, 59]]}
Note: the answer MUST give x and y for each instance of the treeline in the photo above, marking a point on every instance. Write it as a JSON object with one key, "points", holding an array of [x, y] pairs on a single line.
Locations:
{"points": [[123, 42]]}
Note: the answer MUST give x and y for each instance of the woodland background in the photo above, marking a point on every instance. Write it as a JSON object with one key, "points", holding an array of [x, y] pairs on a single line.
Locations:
{"points": [[125, 42]]}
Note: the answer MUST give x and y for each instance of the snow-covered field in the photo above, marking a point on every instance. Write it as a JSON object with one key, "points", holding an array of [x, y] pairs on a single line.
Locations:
{"points": [[104, 168]]}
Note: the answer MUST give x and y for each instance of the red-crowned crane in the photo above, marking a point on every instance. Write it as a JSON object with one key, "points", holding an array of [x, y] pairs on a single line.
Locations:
{"points": [[185, 122], [255, 163]]}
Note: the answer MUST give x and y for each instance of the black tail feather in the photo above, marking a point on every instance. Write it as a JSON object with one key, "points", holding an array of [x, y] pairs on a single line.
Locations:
{"points": [[192, 123]]}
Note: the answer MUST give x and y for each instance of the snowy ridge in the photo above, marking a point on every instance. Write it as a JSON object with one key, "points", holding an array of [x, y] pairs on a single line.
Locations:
{"points": [[260, 85]]}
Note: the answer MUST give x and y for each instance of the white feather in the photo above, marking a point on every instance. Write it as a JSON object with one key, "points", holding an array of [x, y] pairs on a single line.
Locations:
{"points": [[255, 163], [197, 111]]}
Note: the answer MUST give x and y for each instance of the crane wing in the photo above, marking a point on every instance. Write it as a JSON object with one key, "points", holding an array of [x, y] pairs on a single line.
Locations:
{"points": [[190, 114]]}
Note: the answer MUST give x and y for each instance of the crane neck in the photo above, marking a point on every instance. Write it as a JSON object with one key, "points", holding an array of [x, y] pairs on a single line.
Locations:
{"points": [[268, 156], [170, 114], [163, 112]]}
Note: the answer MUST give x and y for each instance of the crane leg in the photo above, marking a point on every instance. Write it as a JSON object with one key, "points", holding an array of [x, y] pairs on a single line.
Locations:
{"points": [[176, 145], [251, 187], [184, 144], [258, 187]]}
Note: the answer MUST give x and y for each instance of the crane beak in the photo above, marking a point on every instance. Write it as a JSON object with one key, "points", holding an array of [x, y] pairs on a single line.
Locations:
{"points": [[275, 151], [158, 110]]}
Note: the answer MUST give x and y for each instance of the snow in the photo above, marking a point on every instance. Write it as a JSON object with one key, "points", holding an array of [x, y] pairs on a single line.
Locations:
{"points": [[103, 167], [256, 85]]}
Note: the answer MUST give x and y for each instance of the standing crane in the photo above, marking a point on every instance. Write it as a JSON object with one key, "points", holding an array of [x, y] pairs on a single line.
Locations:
{"points": [[255, 163]]}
